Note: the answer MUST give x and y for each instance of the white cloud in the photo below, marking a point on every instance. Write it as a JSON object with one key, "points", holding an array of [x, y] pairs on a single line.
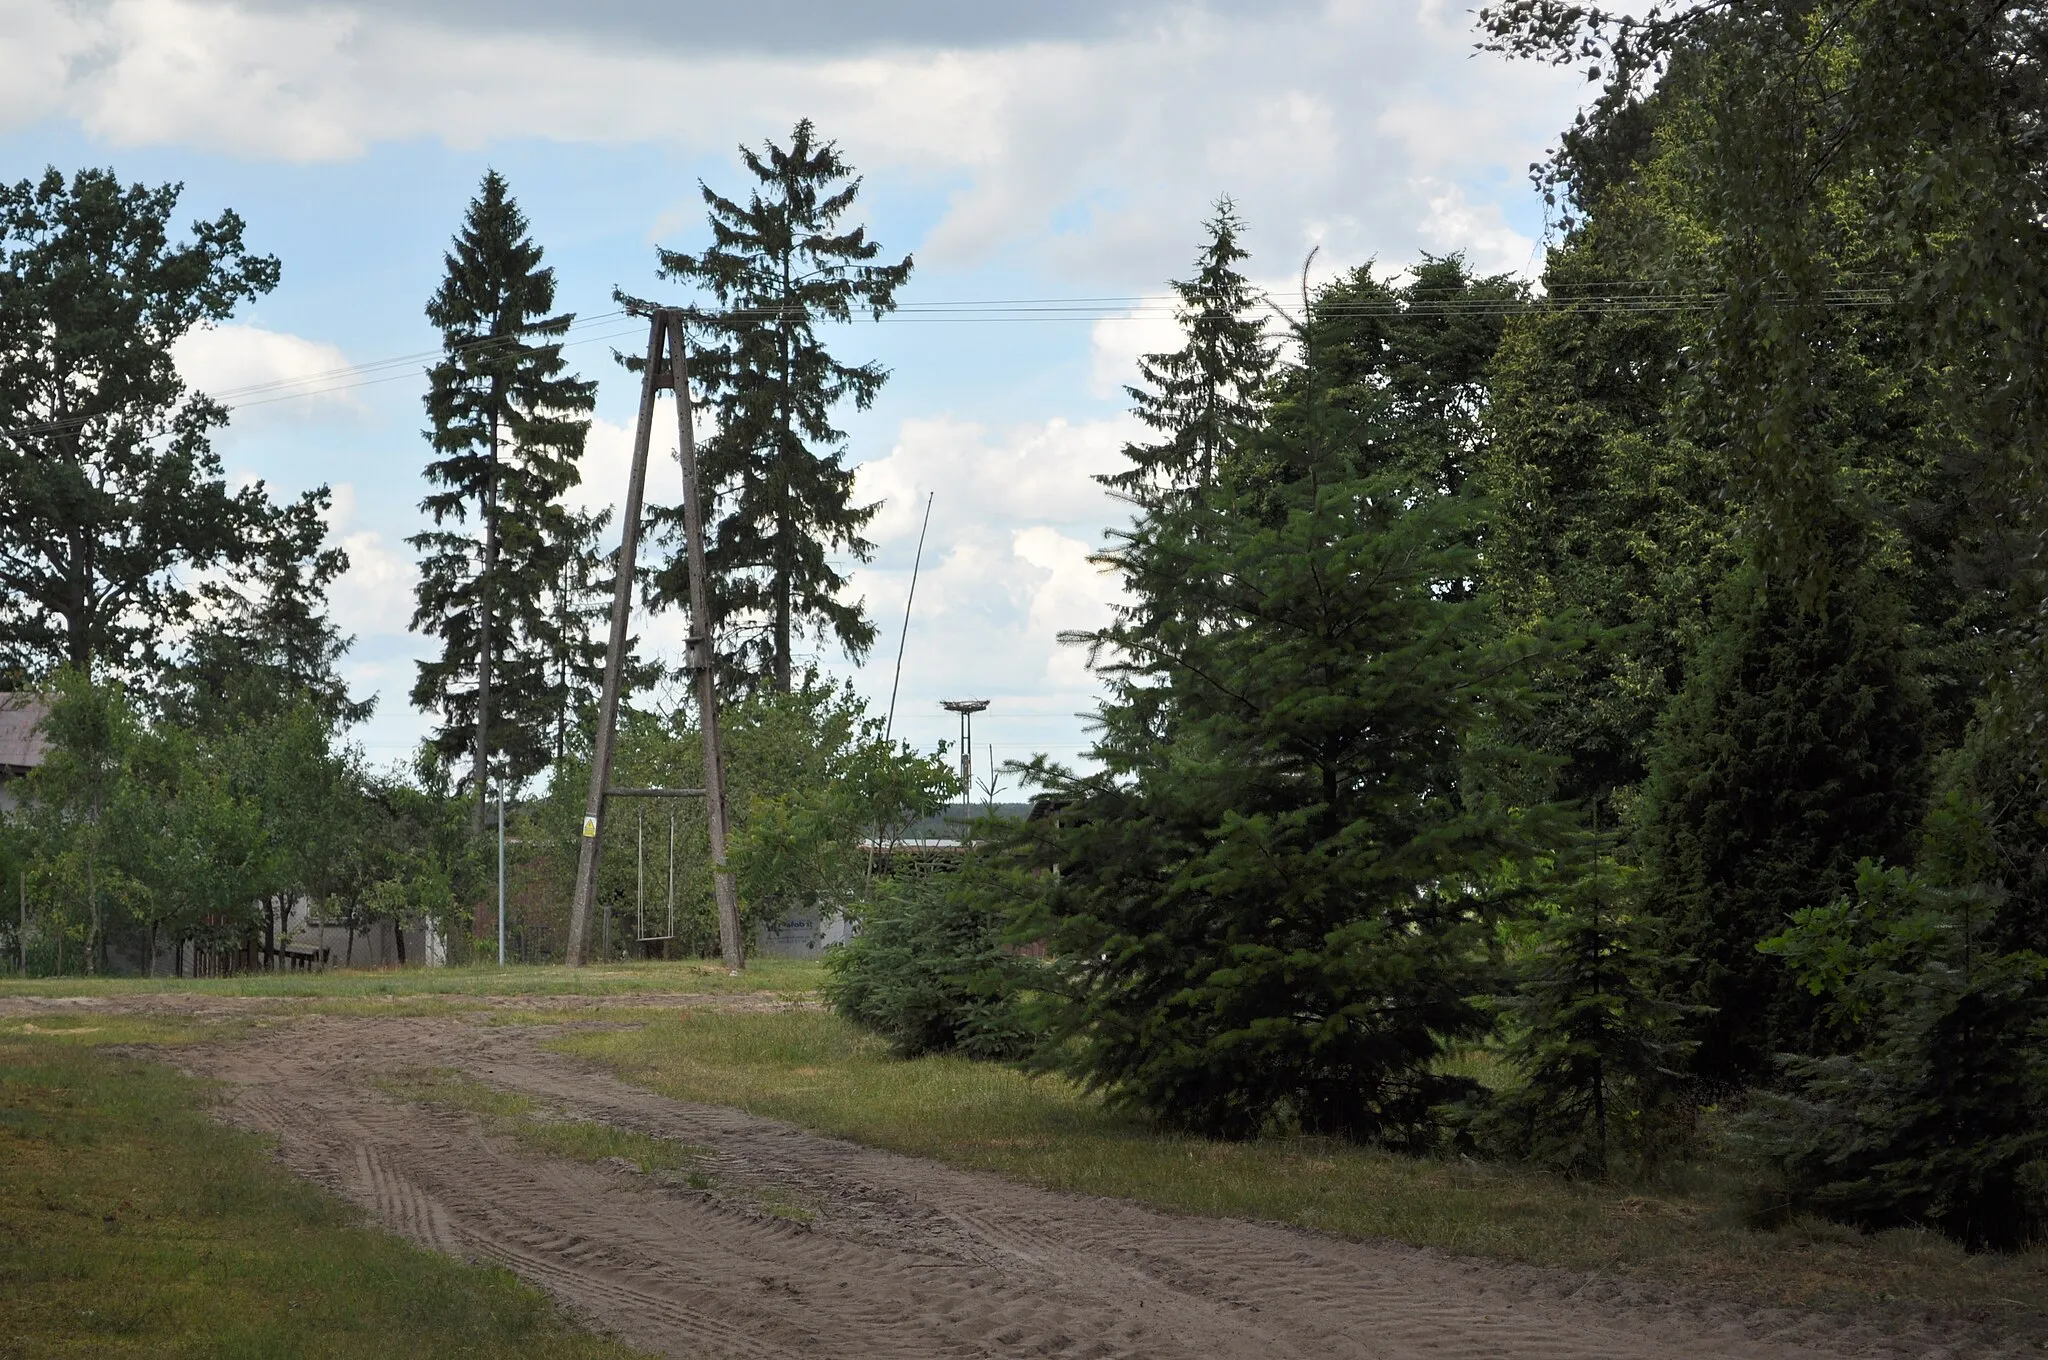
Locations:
{"points": [[375, 595], [257, 370], [1005, 571], [1104, 151]]}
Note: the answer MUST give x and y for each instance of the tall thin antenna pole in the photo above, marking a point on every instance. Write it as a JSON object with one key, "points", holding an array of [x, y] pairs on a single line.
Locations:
{"points": [[917, 562]]}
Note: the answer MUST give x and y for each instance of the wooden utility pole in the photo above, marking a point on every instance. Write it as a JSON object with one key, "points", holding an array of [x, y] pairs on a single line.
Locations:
{"points": [[664, 340], [702, 657]]}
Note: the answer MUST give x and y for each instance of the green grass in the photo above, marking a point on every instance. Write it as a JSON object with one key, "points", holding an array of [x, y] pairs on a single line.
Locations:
{"points": [[133, 1225], [693, 975], [540, 1127], [813, 1069]]}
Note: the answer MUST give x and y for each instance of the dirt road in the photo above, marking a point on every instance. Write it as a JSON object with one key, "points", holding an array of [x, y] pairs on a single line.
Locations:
{"points": [[904, 1257]]}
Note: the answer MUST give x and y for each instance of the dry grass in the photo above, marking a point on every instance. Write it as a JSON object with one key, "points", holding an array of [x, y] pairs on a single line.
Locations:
{"points": [[813, 1069]]}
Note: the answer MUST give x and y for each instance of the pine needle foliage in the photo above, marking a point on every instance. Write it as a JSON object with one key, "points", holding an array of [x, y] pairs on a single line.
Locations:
{"points": [[931, 970], [780, 266], [1794, 751], [1599, 1050], [1271, 902], [1202, 399], [508, 425]]}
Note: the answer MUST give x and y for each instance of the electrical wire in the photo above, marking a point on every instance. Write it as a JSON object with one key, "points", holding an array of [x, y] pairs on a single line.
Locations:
{"points": [[1619, 296]]}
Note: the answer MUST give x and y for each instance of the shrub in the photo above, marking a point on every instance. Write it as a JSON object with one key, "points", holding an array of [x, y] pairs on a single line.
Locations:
{"points": [[929, 970], [1939, 1113]]}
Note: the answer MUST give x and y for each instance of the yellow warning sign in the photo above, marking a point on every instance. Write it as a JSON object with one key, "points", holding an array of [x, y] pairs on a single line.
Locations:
{"points": [[590, 826]]}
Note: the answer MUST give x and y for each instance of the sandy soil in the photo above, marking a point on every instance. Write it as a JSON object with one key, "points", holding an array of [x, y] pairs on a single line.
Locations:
{"points": [[903, 1257]]}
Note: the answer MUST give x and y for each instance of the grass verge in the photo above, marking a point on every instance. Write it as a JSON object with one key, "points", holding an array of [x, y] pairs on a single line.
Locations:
{"points": [[536, 1126], [694, 976], [131, 1224], [813, 1069]]}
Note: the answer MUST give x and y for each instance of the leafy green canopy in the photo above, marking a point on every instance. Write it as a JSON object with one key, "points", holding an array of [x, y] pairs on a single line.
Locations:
{"points": [[1937, 1113], [111, 497], [781, 496], [508, 598]]}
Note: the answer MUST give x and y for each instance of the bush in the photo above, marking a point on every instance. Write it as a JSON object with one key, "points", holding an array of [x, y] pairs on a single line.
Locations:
{"points": [[1939, 1115], [929, 970]]}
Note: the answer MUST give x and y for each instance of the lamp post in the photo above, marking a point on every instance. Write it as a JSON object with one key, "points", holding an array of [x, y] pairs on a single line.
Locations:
{"points": [[966, 708]]}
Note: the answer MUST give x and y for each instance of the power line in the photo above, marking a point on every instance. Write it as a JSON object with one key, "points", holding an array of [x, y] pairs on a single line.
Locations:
{"points": [[1618, 296]]}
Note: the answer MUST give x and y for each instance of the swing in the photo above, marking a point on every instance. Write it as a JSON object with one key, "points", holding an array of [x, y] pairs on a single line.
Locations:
{"points": [[640, 881]]}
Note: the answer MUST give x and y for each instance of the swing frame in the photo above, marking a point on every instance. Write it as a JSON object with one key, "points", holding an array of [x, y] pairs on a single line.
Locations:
{"points": [[640, 878]]}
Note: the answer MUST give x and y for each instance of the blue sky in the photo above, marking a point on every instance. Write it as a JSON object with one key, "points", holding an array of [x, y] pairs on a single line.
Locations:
{"points": [[1057, 150]]}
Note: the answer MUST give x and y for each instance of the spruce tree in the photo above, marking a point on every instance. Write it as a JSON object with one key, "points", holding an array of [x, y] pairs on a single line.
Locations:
{"points": [[1272, 900], [1599, 1050], [266, 643], [1202, 398], [508, 431], [778, 267]]}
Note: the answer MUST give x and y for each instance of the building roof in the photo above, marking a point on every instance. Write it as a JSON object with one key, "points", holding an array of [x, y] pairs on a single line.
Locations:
{"points": [[21, 740]]}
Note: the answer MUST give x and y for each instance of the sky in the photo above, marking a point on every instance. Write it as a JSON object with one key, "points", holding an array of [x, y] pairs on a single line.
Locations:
{"points": [[1056, 149]]}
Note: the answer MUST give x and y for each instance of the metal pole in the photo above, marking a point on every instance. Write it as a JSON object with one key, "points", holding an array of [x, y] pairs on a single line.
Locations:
{"points": [[702, 655], [615, 653], [889, 727], [501, 875]]}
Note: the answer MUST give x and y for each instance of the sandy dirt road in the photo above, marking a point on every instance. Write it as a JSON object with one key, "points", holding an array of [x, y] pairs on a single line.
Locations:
{"points": [[903, 1257]]}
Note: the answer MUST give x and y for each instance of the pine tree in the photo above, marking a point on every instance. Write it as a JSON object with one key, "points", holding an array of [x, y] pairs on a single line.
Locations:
{"points": [[1202, 398], [782, 496], [1935, 1113], [1271, 901], [1273, 898], [508, 426], [111, 497]]}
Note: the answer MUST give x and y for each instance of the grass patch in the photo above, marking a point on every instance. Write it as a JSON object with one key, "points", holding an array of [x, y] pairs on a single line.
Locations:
{"points": [[540, 1127], [132, 1225], [813, 1069], [699, 976]]}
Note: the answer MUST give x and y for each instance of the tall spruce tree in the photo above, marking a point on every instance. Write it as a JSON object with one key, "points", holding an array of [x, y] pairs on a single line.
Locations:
{"points": [[508, 428], [1272, 899], [1201, 399], [779, 267]]}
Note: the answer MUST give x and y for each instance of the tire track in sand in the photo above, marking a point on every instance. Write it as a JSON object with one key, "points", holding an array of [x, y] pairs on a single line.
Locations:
{"points": [[908, 1258]]}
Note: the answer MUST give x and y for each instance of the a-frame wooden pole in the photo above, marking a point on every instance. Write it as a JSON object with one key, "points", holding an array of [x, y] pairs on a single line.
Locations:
{"points": [[702, 654], [585, 900]]}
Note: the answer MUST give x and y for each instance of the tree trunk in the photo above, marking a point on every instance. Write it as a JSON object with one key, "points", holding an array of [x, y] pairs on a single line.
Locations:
{"points": [[398, 935], [783, 527], [484, 639]]}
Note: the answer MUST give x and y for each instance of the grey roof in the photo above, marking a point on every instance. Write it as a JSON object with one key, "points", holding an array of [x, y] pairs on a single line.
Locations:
{"points": [[21, 740]]}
